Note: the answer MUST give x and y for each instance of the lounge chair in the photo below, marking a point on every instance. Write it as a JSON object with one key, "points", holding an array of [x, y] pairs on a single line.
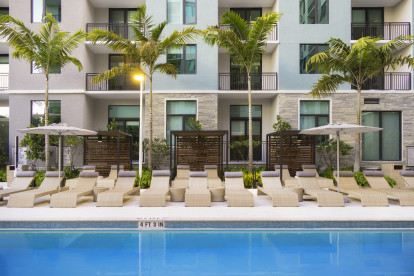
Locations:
{"points": [[197, 194], [322, 181], [325, 198], [20, 183], [349, 186], [273, 188], [124, 187], [236, 194], [50, 185], [158, 192], [378, 183], [69, 198], [113, 174], [287, 180], [212, 177], [182, 177], [408, 177], [71, 183]]}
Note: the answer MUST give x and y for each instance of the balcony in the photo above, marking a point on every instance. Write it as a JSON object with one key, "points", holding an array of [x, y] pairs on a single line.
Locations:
{"points": [[273, 36], [389, 81], [386, 30], [125, 30], [120, 83], [4, 81], [237, 81]]}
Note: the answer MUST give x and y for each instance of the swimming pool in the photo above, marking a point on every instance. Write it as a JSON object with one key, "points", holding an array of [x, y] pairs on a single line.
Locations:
{"points": [[207, 252]]}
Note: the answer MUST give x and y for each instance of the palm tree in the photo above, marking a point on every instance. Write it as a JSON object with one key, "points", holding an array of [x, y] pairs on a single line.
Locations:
{"points": [[142, 53], [244, 42], [48, 51], [356, 65]]}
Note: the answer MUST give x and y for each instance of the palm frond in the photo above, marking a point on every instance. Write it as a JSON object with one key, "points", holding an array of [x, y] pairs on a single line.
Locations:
{"points": [[328, 84], [237, 24], [166, 68], [125, 69], [178, 39]]}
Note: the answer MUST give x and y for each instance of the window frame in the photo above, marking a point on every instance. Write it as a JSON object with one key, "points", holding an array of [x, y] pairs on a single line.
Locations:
{"points": [[246, 135], [183, 2], [183, 71], [44, 12], [317, 45], [186, 115], [31, 110], [316, 13], [380, 136]]}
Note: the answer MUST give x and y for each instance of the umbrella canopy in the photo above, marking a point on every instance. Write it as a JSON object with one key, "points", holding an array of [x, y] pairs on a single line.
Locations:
{"points": [[58, 129], [338, 129]]}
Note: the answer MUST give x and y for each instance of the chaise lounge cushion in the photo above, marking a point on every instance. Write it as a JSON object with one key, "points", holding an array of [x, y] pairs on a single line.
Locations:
{"points": [[344, 173], [407, 173], [89, 174], [161, 173], [127, 174], [198, 174], [26, 174], [306, 174], [54, 174], [89, 168], [233, 174], [269, 174], [308, 167], [210, 167], [114, 167], [183, 167], [374, 173], [283, 166]]}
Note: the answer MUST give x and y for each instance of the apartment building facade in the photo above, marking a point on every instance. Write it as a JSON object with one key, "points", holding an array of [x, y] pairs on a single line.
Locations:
{"points": [[210, 86]]}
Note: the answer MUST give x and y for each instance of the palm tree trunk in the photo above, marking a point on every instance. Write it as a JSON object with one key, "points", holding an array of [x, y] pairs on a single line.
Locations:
{"points": [[47, 155], [250, 125], [150, 128], [358, 136]]}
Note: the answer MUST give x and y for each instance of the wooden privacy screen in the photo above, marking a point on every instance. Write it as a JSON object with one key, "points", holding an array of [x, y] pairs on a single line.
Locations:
{"points": [[198, 148], [297, 150], [101, 151]]}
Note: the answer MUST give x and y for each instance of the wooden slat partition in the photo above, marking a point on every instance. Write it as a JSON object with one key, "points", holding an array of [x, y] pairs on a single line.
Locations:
{"points": [[297, 150], [198, 149], [103, 154]]}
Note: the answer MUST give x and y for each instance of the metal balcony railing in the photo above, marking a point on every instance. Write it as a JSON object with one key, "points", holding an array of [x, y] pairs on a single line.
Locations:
{"points": [[273, 36], [123, 83], [125, 30], [237, 81], [389, 81], [4, 81], [385, 31]]}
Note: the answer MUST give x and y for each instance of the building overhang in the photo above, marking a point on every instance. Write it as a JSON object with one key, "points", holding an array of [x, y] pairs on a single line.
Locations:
{"points": [[375, 3]]}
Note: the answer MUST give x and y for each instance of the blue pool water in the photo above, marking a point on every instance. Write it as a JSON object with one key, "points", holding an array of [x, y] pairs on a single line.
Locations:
{"points": [[224, 252]]}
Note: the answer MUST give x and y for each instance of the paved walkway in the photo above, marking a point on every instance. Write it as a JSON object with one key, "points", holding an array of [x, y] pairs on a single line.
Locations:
{"points": [[175, 211]]}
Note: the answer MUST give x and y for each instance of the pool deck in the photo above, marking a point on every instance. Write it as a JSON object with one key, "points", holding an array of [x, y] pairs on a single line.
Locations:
{"points": [[263, 211]]}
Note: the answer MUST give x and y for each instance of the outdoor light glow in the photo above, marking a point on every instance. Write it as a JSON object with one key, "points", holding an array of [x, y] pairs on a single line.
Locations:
{"points": [[139, 77]]}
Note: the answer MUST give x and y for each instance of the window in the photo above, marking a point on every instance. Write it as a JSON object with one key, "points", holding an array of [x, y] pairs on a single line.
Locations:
{"points": [[184, 59], [314, 12], [41, 7], [38, 70], [118, 21], [127, 119], [178, 115], [384, 145], [4, 10], [368, 22], [177, 8], [239, 130], [306, 52], [314, 114], [4, 129], [38, 112], [248, 14]]}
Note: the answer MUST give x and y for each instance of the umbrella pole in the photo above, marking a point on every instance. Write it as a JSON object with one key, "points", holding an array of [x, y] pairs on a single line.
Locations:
{"points": [[60, 156], [337, 159]]}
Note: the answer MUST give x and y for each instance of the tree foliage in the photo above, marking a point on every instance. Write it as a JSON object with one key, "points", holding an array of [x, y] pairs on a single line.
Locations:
{"points": [[244, 42], [356, 64], [281, 125], [328, 151], [142, 52]]}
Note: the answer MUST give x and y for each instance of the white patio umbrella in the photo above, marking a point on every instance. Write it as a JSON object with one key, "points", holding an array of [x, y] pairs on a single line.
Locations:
{"points": [[338, 129], [58, 129]]}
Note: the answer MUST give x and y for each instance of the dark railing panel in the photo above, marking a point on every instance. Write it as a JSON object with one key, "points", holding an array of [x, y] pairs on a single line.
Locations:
{"points": [[389, 81], [273, 35], [386, 30], [118, 83], [237, 81], [4, 81], [125, 30]]}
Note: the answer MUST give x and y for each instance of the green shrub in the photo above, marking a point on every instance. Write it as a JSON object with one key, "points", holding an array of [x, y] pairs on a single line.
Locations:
{"points": [[248, 177], [71, 173], [328, 173], [390, 181], [145, 181], [40, 175], [3, 175], [360, 179]]}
